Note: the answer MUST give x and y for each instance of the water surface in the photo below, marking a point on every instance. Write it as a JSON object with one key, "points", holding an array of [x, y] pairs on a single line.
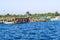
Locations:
{"points": [[31, 31]]}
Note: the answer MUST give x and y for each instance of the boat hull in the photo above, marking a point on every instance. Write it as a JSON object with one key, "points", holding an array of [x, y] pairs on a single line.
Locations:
{"points": [[8, 22]]}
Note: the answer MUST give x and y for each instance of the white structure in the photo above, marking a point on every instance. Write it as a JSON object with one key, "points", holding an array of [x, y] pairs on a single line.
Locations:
{"points": [[56, 18], [8, 22]]}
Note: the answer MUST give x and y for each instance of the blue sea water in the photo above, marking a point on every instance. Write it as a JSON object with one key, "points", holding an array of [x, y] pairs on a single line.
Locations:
{"points": [[31, 31]]}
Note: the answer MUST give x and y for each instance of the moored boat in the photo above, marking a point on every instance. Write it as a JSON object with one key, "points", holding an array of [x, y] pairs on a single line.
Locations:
{"points": [[8, 22]]}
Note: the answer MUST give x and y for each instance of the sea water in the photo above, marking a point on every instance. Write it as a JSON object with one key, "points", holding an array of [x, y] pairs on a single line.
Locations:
{"points": [[31, 31]]}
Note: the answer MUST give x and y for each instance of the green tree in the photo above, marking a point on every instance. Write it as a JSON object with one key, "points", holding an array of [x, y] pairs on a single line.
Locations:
{"points": [[56, 13], [8, 15]]}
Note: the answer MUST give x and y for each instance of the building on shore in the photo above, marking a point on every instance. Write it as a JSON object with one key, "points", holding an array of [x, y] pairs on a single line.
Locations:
{"points": [[56, 18], [37, 20]]}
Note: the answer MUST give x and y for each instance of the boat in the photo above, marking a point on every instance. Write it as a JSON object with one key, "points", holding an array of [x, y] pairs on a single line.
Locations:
{"points": [[8, 22]]}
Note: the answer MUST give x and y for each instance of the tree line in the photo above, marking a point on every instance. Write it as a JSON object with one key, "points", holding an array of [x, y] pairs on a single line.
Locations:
{"points": [[28, 14]]}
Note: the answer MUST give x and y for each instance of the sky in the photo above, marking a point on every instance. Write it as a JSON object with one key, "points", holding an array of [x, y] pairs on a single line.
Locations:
{"points": [[33, 6]]}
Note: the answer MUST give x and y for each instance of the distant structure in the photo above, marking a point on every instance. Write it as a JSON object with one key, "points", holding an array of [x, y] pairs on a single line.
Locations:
{"points": [[56, 18]]}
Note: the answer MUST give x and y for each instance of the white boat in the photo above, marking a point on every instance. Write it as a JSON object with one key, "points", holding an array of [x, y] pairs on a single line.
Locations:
{"points": [[8, 22]]}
